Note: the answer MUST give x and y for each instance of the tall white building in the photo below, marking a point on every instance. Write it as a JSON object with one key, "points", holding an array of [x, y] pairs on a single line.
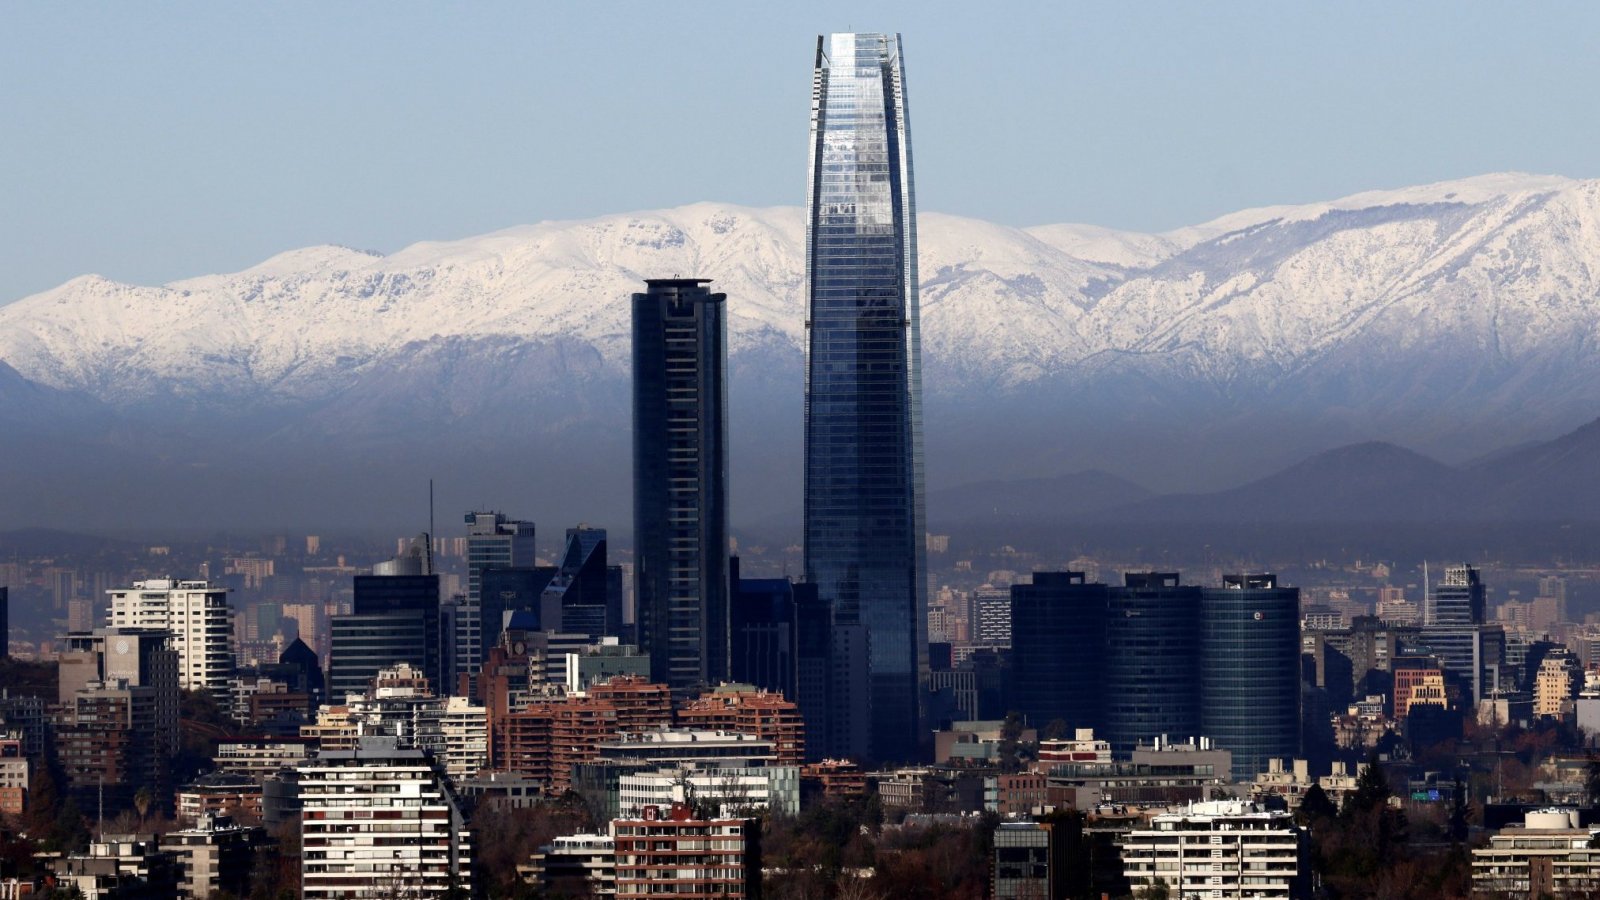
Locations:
{"points": [[199, 618], [379, 821], [1226, 848]]}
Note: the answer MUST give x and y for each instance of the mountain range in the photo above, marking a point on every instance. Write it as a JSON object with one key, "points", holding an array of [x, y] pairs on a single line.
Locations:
{"points": [[326, 385]]}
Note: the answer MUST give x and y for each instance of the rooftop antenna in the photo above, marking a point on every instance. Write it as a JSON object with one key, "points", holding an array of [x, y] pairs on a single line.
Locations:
{"points": [[430, 526]]}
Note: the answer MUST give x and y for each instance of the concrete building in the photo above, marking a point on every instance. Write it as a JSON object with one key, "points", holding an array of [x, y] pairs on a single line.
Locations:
{"points": [[379, 819], [668, 852], [214, 856], [1549, 855], [116, 719], [116, 866], [745, 710], [201, 622], [1222, 848], [730, 791], [572, 860]]}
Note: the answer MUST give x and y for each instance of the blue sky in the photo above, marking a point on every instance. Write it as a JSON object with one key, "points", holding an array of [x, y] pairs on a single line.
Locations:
{"points": [[148, 142]]}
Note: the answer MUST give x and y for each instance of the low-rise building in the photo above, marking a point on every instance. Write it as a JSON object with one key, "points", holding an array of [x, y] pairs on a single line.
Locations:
{"points": [[214, 856], [1022, 867], [219, 793], [572, 861]]}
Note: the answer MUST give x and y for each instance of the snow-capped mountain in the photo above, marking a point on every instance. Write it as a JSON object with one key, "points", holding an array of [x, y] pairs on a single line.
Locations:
{"points": [[1455, 317]]}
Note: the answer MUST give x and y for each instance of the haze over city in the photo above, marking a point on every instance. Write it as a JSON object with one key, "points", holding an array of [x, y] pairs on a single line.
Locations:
{"points": [[840, 453]]}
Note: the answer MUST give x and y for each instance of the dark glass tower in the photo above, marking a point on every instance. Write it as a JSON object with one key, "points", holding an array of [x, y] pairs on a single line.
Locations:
{"points": [[1152, 656], [864, 543], [1058, 633], [1250, 670], [680, 481]]}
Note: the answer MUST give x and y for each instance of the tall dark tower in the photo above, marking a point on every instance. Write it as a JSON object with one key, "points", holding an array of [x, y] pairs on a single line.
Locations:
{"points": [[864, 532], [1250, 670], [1152, 658], [680, 481]]}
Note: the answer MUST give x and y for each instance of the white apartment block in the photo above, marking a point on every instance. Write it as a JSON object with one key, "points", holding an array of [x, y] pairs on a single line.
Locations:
{"points": [[732, 791], [199, 618], [1549, 855], [1225, 848], [379, 821]]}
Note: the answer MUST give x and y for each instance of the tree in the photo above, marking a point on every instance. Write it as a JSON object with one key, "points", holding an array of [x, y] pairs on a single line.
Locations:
{"points": [[1315, 806], [142, 800]]}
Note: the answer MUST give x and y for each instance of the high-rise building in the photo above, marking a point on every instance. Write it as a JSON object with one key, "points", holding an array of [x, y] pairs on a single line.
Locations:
{"points": [[1057, 649], [5, 623], [764, 637], [197, 614], [1250, 670], [395, 619], [680, 481], [865, 546], [1224, 848], [116, 720], [380, 821], [583, 594], [1152, 659], [1458, 599], [493, 541]]}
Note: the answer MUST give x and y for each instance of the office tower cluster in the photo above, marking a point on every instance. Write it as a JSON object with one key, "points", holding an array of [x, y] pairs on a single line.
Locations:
{"points": [[1154, 658]]}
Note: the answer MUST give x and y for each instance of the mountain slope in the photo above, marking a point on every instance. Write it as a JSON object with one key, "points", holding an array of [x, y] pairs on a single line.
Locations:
{"points": [[1455, 318]]}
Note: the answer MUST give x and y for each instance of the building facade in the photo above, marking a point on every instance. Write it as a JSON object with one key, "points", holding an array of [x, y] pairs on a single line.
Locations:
{"points": [[1250, 670], [378, 821], [671, 852], [680, 481], [199, 618], [1224, 848], [865, 546], [494, 541]]}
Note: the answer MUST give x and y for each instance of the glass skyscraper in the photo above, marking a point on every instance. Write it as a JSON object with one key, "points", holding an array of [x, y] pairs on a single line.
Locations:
{"points": [[864, 541], [680, 481]]}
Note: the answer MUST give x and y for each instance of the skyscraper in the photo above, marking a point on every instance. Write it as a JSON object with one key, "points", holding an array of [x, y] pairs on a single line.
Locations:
{"points": [[1250, 670], [864, 546], [493, 541], [680, 481], [197, 614]]}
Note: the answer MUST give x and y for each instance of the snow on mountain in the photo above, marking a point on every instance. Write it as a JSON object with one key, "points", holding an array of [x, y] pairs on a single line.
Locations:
{"points": [[1481, 291]]}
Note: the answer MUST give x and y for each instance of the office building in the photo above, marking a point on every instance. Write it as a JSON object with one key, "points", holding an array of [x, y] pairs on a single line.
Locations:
{"points": [[680, 481], [1152, 660], [991, 617], [764, 634], [379, 821], [493, 541], [395, 619], [584, 595], [1458, 599], [1250, 670], [1058, 637], [1023, 866], [1224, 848], [865, 545], [197, 614], [670, 852]]}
